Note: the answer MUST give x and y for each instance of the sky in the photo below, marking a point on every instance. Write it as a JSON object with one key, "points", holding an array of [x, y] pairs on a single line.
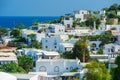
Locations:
{"points": [[50, 7]]}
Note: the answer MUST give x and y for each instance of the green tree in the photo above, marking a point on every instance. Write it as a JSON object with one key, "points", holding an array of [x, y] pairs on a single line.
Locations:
{"points": [[115, 71], [96, 71], [32, 36], [25, 62], [76, 22], [39, 31], [15, 33], [35, 22], [100, 51], [19, 25], [22, 46], [80, 50], [112, 14], [35, 44], [106, 9], [74, 70], [3, 31], [68, 55], [57, 20], [114, 7], [106, 37], [96, 12], [113, 28], [119, 7], [83, 24], [61, 18], [12, 68], [91, 20], [109, 22]]}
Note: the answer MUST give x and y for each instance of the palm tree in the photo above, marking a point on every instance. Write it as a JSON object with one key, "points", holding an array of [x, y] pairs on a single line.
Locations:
{"points": [[84, 45], [80, 50]]}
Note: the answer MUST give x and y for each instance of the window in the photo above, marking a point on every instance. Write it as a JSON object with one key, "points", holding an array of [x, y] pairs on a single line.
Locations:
{"points": [[46, 46], [71, 68], [108, 50], [46, 40], [56, 69], [22, 53], [55, 43], [67, 68], [112, 50], [55, 47], [65, 49]]}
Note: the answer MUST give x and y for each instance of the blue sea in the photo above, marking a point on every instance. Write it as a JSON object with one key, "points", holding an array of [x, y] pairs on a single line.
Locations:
{"points": [[10, 21]]}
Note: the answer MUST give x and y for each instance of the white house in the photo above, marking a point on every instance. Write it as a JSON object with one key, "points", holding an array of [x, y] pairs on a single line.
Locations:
{"points": [[109, 27], [102, 15], [26, 32], [36, 54], [67, 21], [111, 60], [79, 30], [65, 47], [111, 48], [101, 58], [73, 40], [26, 76], [40, 54], [50, 55], [39, 26], [102, 12], [118, 39], [6, 39], [55, 28], [64, 37], [118, 13], [102, 26], [56, 66], [7, 58], [38, 36], [82, 14], [7, 76], [115, 32], [23, 51], [96, 32], [51, 43]]}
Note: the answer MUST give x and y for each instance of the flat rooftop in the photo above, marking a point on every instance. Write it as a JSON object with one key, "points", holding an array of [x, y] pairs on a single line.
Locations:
{"points": [[23, 76], [47, 53], [67, 44], [57, 60], [7, 57]]}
